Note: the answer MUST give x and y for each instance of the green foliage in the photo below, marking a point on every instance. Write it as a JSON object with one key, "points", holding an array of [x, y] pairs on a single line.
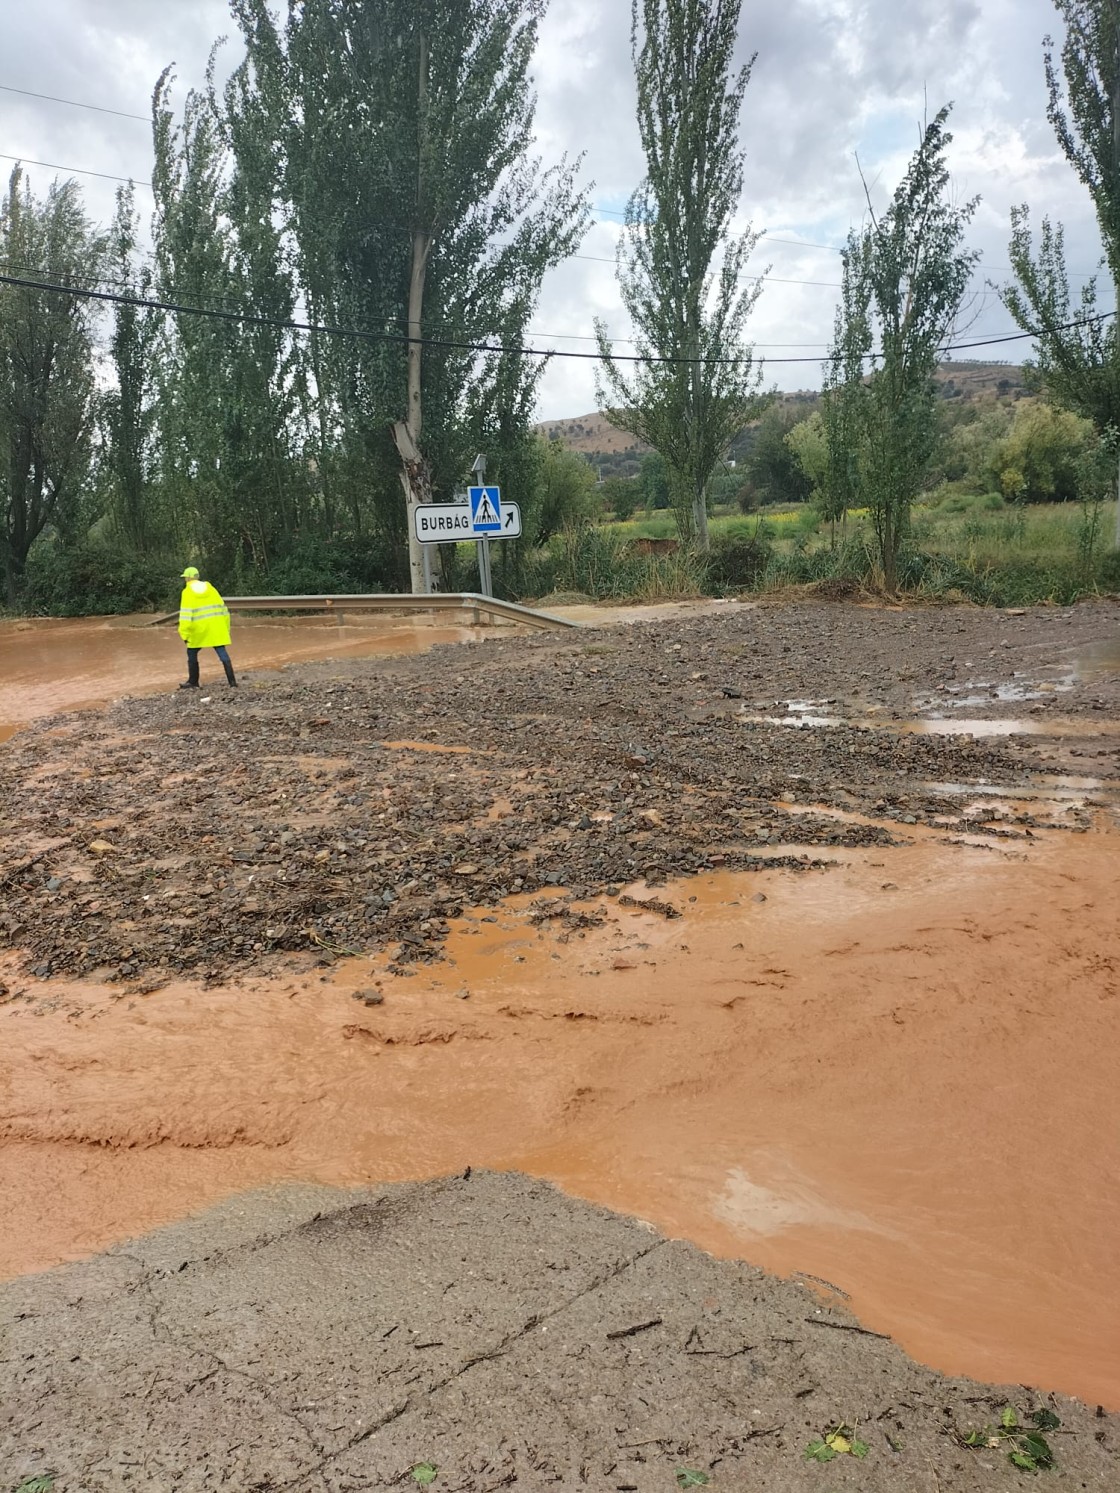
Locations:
{"points": [[808, 445], [904, 278], [128, 408], [1078, 349], [424, 1473], [1038, 460], [849, 563], [838, 1441], [428, 215], [43, 1484], [738, 562], [653, 481], [1085, 114], [565, 491], [46, 368], [701, 387], [772, 468], [601, 563], [1026, 1446], [93, 578], [1078, 356], [687, 1478], [619, 495]]}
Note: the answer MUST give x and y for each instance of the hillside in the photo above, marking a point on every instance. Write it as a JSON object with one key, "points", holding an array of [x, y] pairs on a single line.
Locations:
{"points": [[594, 437]]}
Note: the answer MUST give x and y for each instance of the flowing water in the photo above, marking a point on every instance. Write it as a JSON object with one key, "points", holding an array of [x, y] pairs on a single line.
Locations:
{"points": [[50, 665], [897, 1075], [904, 1087]]}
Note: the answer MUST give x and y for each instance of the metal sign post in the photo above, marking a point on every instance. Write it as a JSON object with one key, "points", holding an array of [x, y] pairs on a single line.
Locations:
{"points": [[478, 514], [485, 584]]}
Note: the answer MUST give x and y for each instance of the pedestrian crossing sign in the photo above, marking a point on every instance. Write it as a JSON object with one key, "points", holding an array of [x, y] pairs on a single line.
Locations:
{"points": [[486, 510]]}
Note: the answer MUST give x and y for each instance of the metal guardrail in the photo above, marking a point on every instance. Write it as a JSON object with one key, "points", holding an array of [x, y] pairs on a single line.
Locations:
{"points": [[440, 601]]}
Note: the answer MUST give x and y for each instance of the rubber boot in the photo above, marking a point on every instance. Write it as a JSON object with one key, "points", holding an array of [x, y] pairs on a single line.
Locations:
{"points": [[192, 672], [231, 679]]}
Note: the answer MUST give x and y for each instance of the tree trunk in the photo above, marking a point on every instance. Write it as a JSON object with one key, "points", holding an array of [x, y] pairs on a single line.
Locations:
{"points": [[416, 477], [700, 521]]}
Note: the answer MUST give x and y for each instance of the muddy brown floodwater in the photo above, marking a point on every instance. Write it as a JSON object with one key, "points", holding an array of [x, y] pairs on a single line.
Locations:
{"points": [[905, 1089], [50, 665], [895, 1077]]}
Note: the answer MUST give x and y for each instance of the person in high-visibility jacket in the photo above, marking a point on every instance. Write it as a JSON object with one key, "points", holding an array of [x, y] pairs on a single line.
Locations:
{"points": [[203, 623]]}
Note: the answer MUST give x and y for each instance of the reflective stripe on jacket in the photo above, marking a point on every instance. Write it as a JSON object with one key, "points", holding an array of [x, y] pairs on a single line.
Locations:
{"points": [[203, 616]]}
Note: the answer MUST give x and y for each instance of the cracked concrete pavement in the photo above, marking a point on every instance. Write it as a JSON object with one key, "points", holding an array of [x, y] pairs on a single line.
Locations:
{"points": [[316, 1340]]}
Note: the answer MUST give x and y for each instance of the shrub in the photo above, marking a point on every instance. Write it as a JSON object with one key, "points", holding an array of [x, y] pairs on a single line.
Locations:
{"points": [[94, 578], [736, 560]]}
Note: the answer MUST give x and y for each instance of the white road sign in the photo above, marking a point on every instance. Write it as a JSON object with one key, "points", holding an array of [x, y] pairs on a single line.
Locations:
{"points": [[442, 523], [447, 523], [511, 521]]}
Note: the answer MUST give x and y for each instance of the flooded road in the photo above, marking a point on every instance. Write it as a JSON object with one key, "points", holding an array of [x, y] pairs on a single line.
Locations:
{"points": [[905, 1088], [52, 665], [895, 1075]]}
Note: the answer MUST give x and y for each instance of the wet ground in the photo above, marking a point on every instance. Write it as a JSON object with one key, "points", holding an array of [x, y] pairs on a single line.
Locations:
{"points": [[486, 1332], [705, 919], [49, 665]]}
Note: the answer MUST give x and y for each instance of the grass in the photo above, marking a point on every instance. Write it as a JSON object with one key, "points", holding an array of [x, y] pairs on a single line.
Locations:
{"points": [[963, 546]]}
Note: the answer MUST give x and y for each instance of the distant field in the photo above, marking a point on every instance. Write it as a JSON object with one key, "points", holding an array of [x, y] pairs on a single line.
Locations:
{"points": [[977, 534]]}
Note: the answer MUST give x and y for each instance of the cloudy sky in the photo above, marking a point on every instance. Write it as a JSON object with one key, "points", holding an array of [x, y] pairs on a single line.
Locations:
{"points": [[834, 79]]}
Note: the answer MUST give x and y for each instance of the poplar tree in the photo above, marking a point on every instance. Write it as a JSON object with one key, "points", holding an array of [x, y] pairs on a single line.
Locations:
{"points": [[418, 213], [681, 270], [905, 276], [1078, 350], [128, 407], [46, 366], [229, 407]]}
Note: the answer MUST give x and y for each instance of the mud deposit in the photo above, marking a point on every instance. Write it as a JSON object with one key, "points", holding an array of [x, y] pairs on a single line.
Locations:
{"points": [[491, 1329], [837, 1000]]}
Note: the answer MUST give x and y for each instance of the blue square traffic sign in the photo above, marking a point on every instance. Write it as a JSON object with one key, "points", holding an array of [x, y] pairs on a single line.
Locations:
{"points": [[486, 510]]}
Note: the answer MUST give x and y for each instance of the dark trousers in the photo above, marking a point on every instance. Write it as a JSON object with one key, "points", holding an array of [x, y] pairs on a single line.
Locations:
{"points": [[192, 663]]}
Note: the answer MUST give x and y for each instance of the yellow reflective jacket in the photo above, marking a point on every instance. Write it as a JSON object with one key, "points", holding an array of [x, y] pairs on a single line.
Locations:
{"points": [[203, 616]]}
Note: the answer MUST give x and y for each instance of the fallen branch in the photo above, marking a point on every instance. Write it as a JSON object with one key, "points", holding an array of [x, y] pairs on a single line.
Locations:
{"points": [[633, 1331], [848, 1327]]}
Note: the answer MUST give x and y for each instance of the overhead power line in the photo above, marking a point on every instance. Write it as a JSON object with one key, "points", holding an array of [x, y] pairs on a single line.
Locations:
{"points": [[73, 170], [245, 318], [51, 98]]}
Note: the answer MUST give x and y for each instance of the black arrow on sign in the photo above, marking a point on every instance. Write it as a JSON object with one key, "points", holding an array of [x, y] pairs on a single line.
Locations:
{"points": [[509, 518]]}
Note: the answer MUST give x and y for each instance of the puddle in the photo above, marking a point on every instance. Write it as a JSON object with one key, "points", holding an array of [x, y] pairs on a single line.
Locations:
{"points": [[1097, 661], [844, 1079], [957, 726], [424, 746], [1075, 789], [986, 692], [945, 725]]}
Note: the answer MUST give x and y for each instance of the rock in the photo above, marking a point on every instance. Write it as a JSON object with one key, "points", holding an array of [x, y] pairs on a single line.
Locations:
{"points": [[102, 847], [53, 884]]}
